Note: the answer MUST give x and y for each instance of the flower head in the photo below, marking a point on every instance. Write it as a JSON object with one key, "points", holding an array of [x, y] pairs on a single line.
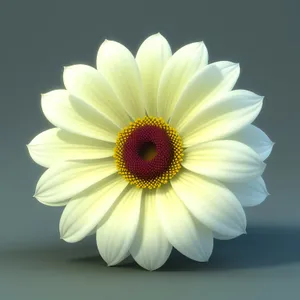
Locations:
{"points": [[151, 152]]}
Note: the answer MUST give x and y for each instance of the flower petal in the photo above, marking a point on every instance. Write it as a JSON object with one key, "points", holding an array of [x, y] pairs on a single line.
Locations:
{"points": [[228, 161], [150, 248], [210, 202], [85, 211], [256, 139], [251, 193], [208, 84], [180, 68], [119, 68], [151, 58], [222, 118], [67, 179], [183, 231], [56, 145], [116, 233], [89, 85], [73, 115]]}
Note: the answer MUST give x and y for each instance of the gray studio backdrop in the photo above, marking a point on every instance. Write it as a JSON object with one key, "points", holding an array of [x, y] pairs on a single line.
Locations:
{"points": [[39, 37]]}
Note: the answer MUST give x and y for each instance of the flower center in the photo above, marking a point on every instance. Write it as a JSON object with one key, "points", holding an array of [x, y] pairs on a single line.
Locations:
{"points": [[148, 152]]}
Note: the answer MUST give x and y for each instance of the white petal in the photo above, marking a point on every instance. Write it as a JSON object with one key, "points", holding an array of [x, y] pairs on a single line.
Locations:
{"points": [[256, 139], [180, 68], [228, 161], [150, 248], [210, 202], [222, 118], [119, 67], [151, 58], [67, 179], [115, 235], [183, 231], [250, 193], [56, 145], [73, 115], [89, 85], [85, 211], [208, 84]]}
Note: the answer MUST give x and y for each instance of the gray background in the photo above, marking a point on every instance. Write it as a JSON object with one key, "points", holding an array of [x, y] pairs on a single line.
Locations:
{"points": [[38, 38]]}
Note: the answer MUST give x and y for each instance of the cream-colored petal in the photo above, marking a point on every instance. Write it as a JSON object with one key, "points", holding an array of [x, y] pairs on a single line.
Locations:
{"points": [[89, 85], [56, 145], [150, 248], [210, 202], [151, 58], [180, 68], [85, 211], [71, 114], [207, 85], [183, 231], [222, 118], [67, 179], [225, 160], [250, 193], [256, 139], [118, 228], [119, 68]]}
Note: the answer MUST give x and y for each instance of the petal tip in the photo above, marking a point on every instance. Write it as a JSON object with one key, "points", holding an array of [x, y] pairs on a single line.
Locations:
{"points": [[68, 239], [203, 44], [198, 45], [159, 36], [107, 42], [67, 68], [236, 67], [151, 268], [206, 259], [232, 64], [111, 264], [243, 228], [45, 95]]}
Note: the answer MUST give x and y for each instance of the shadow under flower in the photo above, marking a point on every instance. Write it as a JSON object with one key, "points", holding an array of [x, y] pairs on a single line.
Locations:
{"points": [[261, 247]]}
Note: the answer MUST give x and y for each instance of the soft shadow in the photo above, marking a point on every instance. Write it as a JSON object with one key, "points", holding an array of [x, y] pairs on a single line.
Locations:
{"points": [[261, 247]]}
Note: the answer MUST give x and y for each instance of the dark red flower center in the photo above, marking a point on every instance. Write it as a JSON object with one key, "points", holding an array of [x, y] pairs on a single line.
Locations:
{"points": [[148, 152]]}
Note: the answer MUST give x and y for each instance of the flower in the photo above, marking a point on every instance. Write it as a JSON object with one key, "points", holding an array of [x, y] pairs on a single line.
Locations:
{"points": [[151, 152]]}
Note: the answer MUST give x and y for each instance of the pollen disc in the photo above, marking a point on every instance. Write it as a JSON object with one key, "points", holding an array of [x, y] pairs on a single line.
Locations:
{"points": [[148, 152]]}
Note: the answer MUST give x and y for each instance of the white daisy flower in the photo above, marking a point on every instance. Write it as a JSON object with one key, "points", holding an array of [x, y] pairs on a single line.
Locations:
{"points": [[151, 152]]}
